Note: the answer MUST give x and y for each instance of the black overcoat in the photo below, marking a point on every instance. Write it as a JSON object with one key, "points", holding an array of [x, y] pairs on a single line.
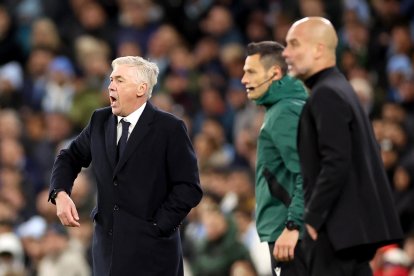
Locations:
{"points": [[347, 193], [155, 181]]}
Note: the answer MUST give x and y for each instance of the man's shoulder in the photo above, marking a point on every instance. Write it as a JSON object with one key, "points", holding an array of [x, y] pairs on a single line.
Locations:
{"points": [[166, 116], [289, 104], [103, 111], [101, 114]]}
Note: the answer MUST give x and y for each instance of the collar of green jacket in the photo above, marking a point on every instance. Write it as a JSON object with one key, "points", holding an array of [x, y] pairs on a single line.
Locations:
{"points": [[286, 87]]}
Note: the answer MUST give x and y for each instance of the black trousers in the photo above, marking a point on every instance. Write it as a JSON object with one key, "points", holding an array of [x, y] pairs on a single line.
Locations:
{"points": [[297, 267], [321, 259]]}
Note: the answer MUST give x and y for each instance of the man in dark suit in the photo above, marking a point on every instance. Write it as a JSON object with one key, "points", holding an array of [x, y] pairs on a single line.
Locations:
{"points": [[145, 186], [349, 211]]}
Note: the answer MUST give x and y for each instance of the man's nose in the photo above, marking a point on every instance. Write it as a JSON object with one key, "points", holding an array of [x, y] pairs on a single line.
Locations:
{"points": [[110, 86]]}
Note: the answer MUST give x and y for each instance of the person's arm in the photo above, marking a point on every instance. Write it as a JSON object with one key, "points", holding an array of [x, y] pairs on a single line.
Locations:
{"points": [[332, 117], [284, 136], [186, 192], [66, 167]]}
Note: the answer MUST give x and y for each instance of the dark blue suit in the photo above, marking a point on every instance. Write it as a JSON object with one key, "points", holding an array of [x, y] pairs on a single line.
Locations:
{"points": [[155, 181]]}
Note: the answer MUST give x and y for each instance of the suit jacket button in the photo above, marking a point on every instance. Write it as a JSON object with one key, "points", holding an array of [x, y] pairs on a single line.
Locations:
{"points": [[110, 232], [116, 208], [115, 183]]}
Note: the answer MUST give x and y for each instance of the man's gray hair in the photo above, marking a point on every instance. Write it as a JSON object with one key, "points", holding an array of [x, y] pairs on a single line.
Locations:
{"points": [[147, 71]]}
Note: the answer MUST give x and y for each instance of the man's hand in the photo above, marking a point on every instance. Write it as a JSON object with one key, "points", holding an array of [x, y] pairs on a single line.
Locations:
{"points": [[312, 232], [66, 210], [285, 245]]}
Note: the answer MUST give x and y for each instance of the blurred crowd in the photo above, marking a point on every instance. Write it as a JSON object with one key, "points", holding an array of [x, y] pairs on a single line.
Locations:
{"points": [[55, 61]]}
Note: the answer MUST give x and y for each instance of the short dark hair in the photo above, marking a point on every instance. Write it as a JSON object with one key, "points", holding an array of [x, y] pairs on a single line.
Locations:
{"points": [[270, 53]]}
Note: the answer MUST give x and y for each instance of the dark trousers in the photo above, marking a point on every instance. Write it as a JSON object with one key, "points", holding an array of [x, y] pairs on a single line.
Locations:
{"points": [[296, 267], [321, 259]]}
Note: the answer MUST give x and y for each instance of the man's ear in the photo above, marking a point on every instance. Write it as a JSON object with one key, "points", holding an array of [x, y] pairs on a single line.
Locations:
{"points": [[277, 72], [142, 89], [319, 50]]}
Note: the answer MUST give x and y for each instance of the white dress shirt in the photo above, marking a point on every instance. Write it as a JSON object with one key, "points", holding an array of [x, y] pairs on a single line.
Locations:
{"points": [[131, 118]]}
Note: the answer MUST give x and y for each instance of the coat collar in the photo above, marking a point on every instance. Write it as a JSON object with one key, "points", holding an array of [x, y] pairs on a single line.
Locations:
{"points": [[312, 80]]}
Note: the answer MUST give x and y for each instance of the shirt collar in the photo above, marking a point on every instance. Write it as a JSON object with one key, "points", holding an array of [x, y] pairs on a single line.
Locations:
{"points": [[134, 116]]}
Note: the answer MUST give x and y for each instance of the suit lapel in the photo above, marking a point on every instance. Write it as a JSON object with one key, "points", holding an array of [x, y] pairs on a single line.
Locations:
{"points": [[110, 139], [141, 129]]}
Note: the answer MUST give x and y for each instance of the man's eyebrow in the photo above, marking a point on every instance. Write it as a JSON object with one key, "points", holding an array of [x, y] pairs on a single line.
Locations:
{"points": [[116, 77], [292, 40]]}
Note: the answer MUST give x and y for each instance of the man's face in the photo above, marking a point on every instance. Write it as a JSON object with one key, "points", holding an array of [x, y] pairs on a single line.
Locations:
{"points": [[256, 78], [126, 93], [298, 53]]}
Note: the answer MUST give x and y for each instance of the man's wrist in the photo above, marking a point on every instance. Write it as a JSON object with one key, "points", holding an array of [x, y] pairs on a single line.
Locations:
{"points": [[54, 194], [291, 225]]}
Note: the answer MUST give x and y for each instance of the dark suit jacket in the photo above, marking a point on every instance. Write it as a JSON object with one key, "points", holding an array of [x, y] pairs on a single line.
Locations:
{"points": [[347, 193], [156, 180]]}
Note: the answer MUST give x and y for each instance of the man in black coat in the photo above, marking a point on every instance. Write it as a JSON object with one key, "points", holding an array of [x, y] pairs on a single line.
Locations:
{"points": [[349, 211], [146, 185]]}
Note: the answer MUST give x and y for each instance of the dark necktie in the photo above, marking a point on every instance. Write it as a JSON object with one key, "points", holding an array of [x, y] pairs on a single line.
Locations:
{"points": [[124, 136]]}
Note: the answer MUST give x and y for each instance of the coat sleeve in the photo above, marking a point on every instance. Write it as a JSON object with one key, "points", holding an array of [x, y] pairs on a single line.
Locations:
{"points": [[185, 190], [70, 161], [332, 117], [284, 136]]}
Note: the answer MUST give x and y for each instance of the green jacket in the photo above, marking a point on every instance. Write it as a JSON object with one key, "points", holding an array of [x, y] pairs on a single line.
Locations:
{"points": [[279, 195]]}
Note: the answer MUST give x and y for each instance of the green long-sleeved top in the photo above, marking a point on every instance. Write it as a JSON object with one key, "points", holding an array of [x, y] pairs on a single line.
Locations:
{"points": [[277, 165]]}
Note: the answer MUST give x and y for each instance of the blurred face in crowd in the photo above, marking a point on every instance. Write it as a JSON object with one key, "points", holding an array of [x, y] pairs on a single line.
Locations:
{"points": [[126, 92], [256, 78]]}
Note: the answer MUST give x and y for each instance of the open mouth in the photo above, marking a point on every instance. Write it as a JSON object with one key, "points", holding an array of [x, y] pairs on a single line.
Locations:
{"points": [[113, 100]]}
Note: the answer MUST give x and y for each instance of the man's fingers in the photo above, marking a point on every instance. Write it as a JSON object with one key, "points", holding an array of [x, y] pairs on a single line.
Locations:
{"points": [[74, 213], [284, 253], [291, 252]]}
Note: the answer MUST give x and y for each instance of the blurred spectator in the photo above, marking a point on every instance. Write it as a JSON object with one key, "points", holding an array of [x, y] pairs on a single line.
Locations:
{"points": [[50, 130], [83, 193], [403, 186], [11, 250], [35, 76], [364, 92], [408, 247], [221, 248], [18, 192], [136, 22], [399, 70], [10, 50], [11, 82], [257, 28], [10, 124], [93, 59], [60, 88], [13, 156], [214, 105], [160, 45], [87, 18], [128, 48], [45, 34], [259, 252], [30, 234], [60, 257], [220, 24]]}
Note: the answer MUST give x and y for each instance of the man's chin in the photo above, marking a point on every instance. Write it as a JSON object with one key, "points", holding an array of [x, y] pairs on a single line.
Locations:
{"points": [[251, 97], [116, 111]]}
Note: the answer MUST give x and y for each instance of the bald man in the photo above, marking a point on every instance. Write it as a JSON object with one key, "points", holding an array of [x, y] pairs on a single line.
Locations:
{"points": [[349, 212]]}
